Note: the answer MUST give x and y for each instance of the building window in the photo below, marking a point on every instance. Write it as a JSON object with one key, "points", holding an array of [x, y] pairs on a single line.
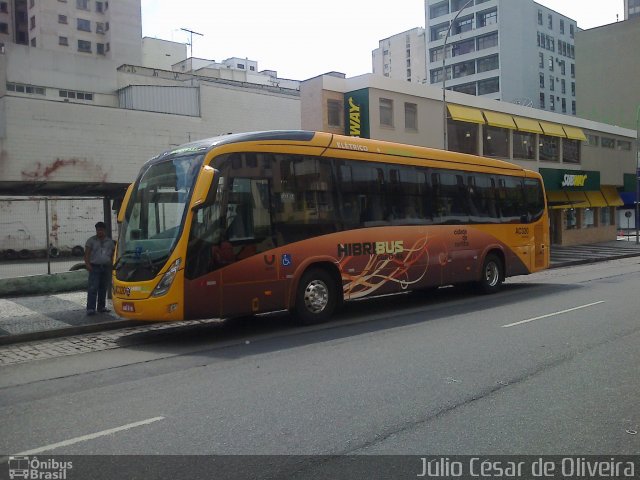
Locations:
{"points": [[550, 21], [564, 105], [488, 63], [571, 30], [549, 148], [487, 18], [4, 27], [468, 88], [570, 150], [334, 113], [464, 25], [99, 27], [552, 103], [32, 3], [439, 31], [462, 137], [573, 70], [589, 218], [62, 19], [551, 63], [82, 4], [4, 7], [462, 48], [570, 219], [100, 48], [463, 69], [33, 42], [83, 25], [540, 59], [488, 41], [563, 86], [573, 107], [386, 112], [607, 142], [552, 83], [605, 216], [439, 9], [561, 26], [495, 142], [411, 116], [436, 75], [539, 17], [32, 23], [541, 75], [524, 145], [491, 85], [624, 145], [99, 7], [84, 46], [592, 140], [240, 66], [63, 41], [542, 105], [573, 89]]}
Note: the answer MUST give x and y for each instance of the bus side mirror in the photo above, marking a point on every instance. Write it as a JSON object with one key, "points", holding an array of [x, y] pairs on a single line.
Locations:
{"points": [[203, 184], [123, 205]]}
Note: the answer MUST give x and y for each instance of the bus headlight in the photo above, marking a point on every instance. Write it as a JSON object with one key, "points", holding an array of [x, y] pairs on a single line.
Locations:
{"points": [[164, 284]]}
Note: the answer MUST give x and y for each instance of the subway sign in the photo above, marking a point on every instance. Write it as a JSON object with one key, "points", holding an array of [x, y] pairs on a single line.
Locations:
{"points": [[577, 180], [356, 113]]}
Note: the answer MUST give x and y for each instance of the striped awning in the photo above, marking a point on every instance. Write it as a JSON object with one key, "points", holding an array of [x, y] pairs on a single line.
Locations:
{"points": [[557, 199], [552, 129], [578, 199], [611, 195], [502, 120], [596, 199], [527, 125], [465, 114], [574, 133]]}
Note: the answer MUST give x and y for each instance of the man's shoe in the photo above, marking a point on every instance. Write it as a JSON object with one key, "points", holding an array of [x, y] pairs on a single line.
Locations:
{"points": [[104, 310], [91, 312]]}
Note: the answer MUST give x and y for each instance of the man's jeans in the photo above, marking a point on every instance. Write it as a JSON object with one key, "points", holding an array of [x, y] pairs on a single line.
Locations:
{"points": [[99, 282]]}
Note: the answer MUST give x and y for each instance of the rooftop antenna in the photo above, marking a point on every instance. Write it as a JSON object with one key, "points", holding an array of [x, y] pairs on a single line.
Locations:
{"points": [[191, 32]]}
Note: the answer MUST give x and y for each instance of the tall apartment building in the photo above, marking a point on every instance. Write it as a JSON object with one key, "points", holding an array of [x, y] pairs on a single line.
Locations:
{"points": [[631, 9], [405, 52], [516, 51], [97, 28]]}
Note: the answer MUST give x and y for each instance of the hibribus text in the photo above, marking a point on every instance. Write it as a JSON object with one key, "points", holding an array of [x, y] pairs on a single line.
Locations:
{"points": [[371, 248]]}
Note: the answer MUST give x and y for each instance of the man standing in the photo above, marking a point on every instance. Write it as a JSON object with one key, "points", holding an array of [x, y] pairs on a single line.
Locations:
{"points": [[97, 257]]}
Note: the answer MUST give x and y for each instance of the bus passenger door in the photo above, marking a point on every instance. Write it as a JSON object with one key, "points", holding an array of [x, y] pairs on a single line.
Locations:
{"points": [[251, 284]]}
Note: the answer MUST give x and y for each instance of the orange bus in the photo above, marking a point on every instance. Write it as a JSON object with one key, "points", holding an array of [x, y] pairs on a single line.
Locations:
{"points": [[302, 221]]}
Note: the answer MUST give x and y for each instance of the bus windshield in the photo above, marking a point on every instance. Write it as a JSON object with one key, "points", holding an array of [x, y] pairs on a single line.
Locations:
{"points": [[154, 217]]}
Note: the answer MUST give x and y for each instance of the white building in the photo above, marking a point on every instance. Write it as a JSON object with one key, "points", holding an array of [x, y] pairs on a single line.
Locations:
{"points": [[402, 56], [93, 28]]}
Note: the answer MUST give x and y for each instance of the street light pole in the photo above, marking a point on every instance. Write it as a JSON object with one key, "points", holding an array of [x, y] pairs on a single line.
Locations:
{"points": [[444, 75], [637, 177]]}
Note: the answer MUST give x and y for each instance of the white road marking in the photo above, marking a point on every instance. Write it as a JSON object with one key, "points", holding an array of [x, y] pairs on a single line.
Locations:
{"points": [[91, 436], [552, 314]]}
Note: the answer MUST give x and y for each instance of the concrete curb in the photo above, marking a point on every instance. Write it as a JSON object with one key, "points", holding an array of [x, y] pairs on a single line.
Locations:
{"points": [[44, 284], [69, 331]]}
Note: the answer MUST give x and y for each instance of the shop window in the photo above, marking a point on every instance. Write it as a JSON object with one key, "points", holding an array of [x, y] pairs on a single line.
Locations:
{"points": [[462, 137], [549, 148], [605, 216], [570, 151], [495, 142], [524, 146], [589, 218], [570, 219]]}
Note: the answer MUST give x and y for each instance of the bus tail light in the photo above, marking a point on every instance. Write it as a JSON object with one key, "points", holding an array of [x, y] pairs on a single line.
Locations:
{"points": [[164, 284]]}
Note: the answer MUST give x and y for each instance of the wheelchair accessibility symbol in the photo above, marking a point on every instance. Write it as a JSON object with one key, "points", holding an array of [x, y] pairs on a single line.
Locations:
{"points": [[286, 259]]}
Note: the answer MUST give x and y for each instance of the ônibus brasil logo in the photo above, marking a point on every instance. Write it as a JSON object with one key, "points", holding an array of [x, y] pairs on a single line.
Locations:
{"points": [[32, 468]]}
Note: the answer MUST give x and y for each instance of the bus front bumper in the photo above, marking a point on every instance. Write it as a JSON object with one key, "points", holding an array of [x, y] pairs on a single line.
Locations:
{"points": [[152, 310]]}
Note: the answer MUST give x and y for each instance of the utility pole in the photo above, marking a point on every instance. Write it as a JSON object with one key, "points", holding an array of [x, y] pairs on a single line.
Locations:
{"points": [[191, 32]]}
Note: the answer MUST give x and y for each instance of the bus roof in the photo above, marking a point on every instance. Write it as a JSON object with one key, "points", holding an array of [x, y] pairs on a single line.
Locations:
{"points": [[333, 143]]}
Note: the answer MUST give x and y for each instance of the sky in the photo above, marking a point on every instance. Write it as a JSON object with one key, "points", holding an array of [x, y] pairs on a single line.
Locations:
{"points": [[301, 39]]}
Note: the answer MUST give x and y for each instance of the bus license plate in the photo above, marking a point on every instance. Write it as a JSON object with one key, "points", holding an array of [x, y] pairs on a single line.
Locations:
{"points": [[128, 307]]}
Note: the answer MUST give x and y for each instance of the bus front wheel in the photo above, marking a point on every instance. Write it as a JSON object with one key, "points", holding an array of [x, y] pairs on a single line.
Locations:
{"points": [[316, 297], [492, 274]]}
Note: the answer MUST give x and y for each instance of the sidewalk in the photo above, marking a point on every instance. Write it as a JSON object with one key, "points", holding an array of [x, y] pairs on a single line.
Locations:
{"points": [[63, 314]]}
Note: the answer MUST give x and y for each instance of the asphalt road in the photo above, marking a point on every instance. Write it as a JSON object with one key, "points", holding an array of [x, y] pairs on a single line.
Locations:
{"points": [[549, 366]]}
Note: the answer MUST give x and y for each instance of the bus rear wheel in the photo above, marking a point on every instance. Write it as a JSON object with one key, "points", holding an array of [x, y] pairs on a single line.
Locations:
{"points": [[316, 297], [492, 274]]}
